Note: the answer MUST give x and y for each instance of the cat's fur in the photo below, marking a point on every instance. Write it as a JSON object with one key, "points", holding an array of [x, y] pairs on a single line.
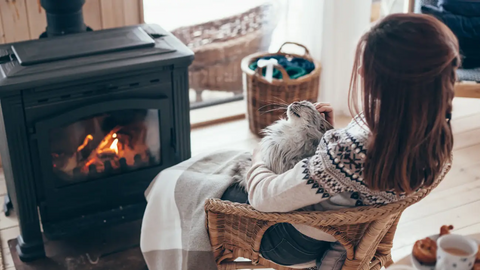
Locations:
{"points": [[288, 141]]}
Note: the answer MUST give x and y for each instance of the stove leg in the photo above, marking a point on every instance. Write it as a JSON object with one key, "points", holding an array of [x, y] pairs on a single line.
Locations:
{"points": [[7, 205], [21, 180], [30, 251], [30, 241]]}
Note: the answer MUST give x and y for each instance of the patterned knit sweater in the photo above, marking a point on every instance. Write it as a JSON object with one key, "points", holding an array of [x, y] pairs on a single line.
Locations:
{"points": [[329, 180]]}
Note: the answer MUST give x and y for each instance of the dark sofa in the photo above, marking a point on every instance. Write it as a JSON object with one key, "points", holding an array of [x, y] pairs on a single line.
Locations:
{"points": [[463, 18]]}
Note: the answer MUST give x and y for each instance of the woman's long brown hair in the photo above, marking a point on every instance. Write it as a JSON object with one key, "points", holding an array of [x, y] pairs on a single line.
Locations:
{"points": [[404, 75]]}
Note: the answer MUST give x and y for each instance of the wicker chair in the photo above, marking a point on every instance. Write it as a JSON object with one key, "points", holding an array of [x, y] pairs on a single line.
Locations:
{"points": [[236, 230]]}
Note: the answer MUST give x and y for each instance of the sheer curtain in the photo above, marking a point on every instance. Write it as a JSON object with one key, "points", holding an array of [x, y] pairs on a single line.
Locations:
{"points": [[330, 29]]}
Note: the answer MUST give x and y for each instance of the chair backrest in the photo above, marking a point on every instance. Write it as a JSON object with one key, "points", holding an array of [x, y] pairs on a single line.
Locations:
{"points": [[365, 232], [361, 230]]}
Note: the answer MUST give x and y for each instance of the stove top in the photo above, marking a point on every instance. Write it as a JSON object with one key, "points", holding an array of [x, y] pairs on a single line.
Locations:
{"points": [[87, 54]]}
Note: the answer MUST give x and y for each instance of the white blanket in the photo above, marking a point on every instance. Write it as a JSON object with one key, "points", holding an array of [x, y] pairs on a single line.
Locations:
{"points": [[174, 236]]}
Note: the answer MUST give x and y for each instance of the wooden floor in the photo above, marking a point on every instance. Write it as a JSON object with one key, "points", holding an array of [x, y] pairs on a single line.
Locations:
{"points": [[456, 201]]}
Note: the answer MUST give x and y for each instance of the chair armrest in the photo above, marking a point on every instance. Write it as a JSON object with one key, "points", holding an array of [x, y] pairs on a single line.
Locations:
{"points": [[349, 216]]}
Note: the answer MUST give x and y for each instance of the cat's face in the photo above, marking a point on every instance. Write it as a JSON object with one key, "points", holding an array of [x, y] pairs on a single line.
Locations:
{"points": [[304, 113]]}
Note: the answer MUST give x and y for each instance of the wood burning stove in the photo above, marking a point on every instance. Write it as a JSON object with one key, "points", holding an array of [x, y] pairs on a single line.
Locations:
{"points": [[87, 121]]}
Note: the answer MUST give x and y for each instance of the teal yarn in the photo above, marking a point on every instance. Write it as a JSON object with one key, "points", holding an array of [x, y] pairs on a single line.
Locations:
{"points": [[294, 72]]}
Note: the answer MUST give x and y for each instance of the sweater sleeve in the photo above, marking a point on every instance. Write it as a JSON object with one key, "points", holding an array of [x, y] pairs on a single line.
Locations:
{"points": [[296, 188], [269, 192]]}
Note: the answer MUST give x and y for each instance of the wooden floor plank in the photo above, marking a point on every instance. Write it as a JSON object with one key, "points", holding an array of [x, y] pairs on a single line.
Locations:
{"points": [[465, 106], [7, 234], [459, 175], [466, 123], [467, 156], [231, 135], [442, 201], [467, 138], [7, 222]]}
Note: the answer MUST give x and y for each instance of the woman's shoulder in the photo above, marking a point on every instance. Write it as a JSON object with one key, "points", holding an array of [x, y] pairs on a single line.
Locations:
{"points": [[338, 164], [356, 133]]}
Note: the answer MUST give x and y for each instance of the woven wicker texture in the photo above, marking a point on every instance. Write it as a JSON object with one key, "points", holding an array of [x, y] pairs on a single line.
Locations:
{"points": [[260, 93], [220, 45], [236, 230]]}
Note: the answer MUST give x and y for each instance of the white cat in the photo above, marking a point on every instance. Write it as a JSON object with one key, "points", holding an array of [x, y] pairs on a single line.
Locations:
{"points": [[288, 141]]}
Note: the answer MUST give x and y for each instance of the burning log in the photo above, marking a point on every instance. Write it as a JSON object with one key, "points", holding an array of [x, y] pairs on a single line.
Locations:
{"points": [[84, 150], [123, 147], [107, 166], [107, 153], [92, 170], [109, 139], [107, 149], [77, 173], [138, 160], [123, 164], [151, 160]]}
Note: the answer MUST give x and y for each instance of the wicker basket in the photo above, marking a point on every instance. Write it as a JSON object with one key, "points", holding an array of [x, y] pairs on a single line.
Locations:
{"points": [[220, 45], [260, 93]]}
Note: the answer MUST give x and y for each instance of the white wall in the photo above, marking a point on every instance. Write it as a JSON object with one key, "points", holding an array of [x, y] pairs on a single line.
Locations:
{"points": [[345, 21], [331, 30]]}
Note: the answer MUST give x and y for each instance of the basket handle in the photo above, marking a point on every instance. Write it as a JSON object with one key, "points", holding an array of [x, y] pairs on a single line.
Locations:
{"points": [[307, 52], [285, 76]]}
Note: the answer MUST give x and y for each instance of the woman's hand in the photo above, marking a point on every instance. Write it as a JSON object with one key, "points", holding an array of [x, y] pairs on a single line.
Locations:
{"points": [[327, 110]]}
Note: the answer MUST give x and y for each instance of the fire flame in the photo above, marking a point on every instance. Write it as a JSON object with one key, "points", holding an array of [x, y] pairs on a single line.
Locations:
{"points": [[90, 162], [114, 151], [114, 143], [85, 142]]}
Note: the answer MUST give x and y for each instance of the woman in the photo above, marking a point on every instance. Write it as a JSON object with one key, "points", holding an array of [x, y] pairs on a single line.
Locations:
{"points": [[404, 75]]}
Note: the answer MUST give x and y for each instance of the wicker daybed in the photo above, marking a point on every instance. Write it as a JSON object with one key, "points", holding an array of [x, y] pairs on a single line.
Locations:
{"points": [[220, 45]]}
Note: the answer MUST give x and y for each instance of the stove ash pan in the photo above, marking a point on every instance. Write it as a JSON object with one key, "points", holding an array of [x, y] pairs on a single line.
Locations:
{"points": [[88, 120]]}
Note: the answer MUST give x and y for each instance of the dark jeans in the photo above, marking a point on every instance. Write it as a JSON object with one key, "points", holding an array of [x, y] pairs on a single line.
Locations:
{"points": [[282, 243]]}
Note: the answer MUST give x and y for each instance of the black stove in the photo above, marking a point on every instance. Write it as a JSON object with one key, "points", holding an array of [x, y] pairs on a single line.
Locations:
{"points": [[87, 121]]}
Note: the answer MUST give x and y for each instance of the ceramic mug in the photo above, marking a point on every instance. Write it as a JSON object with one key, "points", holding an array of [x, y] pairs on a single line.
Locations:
{"points": [[455, 252]]}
